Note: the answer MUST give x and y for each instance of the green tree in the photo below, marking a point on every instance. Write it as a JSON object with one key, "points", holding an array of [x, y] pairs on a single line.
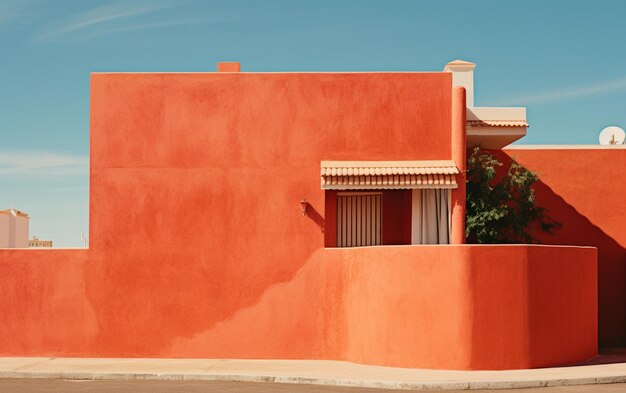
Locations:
{"points": [[501, 208]]}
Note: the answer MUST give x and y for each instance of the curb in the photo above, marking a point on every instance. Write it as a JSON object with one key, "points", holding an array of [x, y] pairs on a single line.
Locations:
{"points": [[398, 385]]}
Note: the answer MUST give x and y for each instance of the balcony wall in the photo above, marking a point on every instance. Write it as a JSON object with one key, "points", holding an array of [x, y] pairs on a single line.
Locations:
{"points": [[448, 307], [471, 307]]}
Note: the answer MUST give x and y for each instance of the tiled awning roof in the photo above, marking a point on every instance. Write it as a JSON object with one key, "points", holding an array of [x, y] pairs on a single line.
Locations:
{"points": [[368, 175]]}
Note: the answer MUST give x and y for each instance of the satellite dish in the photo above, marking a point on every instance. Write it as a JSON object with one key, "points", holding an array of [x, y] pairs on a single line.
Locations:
{"points": [[612, 135]]}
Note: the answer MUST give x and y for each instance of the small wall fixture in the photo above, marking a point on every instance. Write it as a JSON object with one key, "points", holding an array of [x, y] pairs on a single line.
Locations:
{"points": [[304, 205]]}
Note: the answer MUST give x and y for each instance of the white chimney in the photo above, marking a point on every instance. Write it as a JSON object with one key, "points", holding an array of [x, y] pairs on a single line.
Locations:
{"points": [[463, 75]]}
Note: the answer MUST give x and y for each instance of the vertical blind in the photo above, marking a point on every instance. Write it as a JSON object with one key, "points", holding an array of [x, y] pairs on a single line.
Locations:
{"points": [[359, 219]]}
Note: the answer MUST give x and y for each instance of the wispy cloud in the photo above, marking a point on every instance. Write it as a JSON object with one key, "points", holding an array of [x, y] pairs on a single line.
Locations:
{"points": [[566, 94], [145, 26], [98, 17], [42, 163]]}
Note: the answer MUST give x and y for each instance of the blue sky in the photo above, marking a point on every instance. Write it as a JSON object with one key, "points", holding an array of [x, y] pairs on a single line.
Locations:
{"points": [[564, 60]]}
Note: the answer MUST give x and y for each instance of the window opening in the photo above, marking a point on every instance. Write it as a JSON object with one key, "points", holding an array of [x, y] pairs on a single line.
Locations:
{"points": [[359, 219]]}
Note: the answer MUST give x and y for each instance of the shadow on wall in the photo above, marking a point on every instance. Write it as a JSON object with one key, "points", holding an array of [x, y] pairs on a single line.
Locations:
{"points": [[316, 217], [579, 230], [168, 274]]}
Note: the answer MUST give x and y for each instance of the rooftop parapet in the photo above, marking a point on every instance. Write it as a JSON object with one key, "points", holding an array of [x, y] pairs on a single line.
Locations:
{"points": [[490, 127]]}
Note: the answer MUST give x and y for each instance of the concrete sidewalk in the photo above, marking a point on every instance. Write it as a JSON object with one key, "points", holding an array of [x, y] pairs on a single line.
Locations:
{"points": [[321, 372]]}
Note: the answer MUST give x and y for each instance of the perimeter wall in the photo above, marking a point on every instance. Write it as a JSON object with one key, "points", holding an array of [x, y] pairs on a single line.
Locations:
{"points": [[447, 307]]}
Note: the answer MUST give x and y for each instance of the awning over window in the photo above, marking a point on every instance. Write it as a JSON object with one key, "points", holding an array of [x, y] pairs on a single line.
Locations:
{"points": [[367, 175]]}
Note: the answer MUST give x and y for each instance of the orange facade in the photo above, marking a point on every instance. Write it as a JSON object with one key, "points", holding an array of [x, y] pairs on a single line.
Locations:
{"points": [[583, 190], [198, 247]]}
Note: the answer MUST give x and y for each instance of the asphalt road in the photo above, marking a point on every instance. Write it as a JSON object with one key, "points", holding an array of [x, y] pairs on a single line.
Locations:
{"points": [[67, 386]]}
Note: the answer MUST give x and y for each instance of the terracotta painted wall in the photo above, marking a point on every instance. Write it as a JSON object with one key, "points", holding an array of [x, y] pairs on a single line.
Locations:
{"points": [[197, 235], [584, 190], [205, 172], [196, 181], [499, 307]]}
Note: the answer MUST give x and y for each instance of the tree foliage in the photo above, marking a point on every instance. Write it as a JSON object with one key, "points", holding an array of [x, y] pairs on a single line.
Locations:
{"points": [[501, 208]]}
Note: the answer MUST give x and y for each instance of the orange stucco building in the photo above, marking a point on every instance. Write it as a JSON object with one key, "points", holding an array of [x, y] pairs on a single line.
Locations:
{"points": [[227, 212]]}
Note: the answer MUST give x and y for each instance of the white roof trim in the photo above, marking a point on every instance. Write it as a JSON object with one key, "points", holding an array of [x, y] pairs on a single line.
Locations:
{"points": [[566, 147]]}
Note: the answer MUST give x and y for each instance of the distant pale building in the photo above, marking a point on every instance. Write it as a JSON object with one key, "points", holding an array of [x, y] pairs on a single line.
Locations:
{"points": [[36, 242], [13, 229]]}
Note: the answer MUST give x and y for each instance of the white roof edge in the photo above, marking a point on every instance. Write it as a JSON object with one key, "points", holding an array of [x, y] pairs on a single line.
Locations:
{"points": [[565, 147], [496, 107], [496, 113]]}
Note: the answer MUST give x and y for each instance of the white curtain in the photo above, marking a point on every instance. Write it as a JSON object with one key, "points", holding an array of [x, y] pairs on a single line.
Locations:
{"points": [[430, 216]]}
